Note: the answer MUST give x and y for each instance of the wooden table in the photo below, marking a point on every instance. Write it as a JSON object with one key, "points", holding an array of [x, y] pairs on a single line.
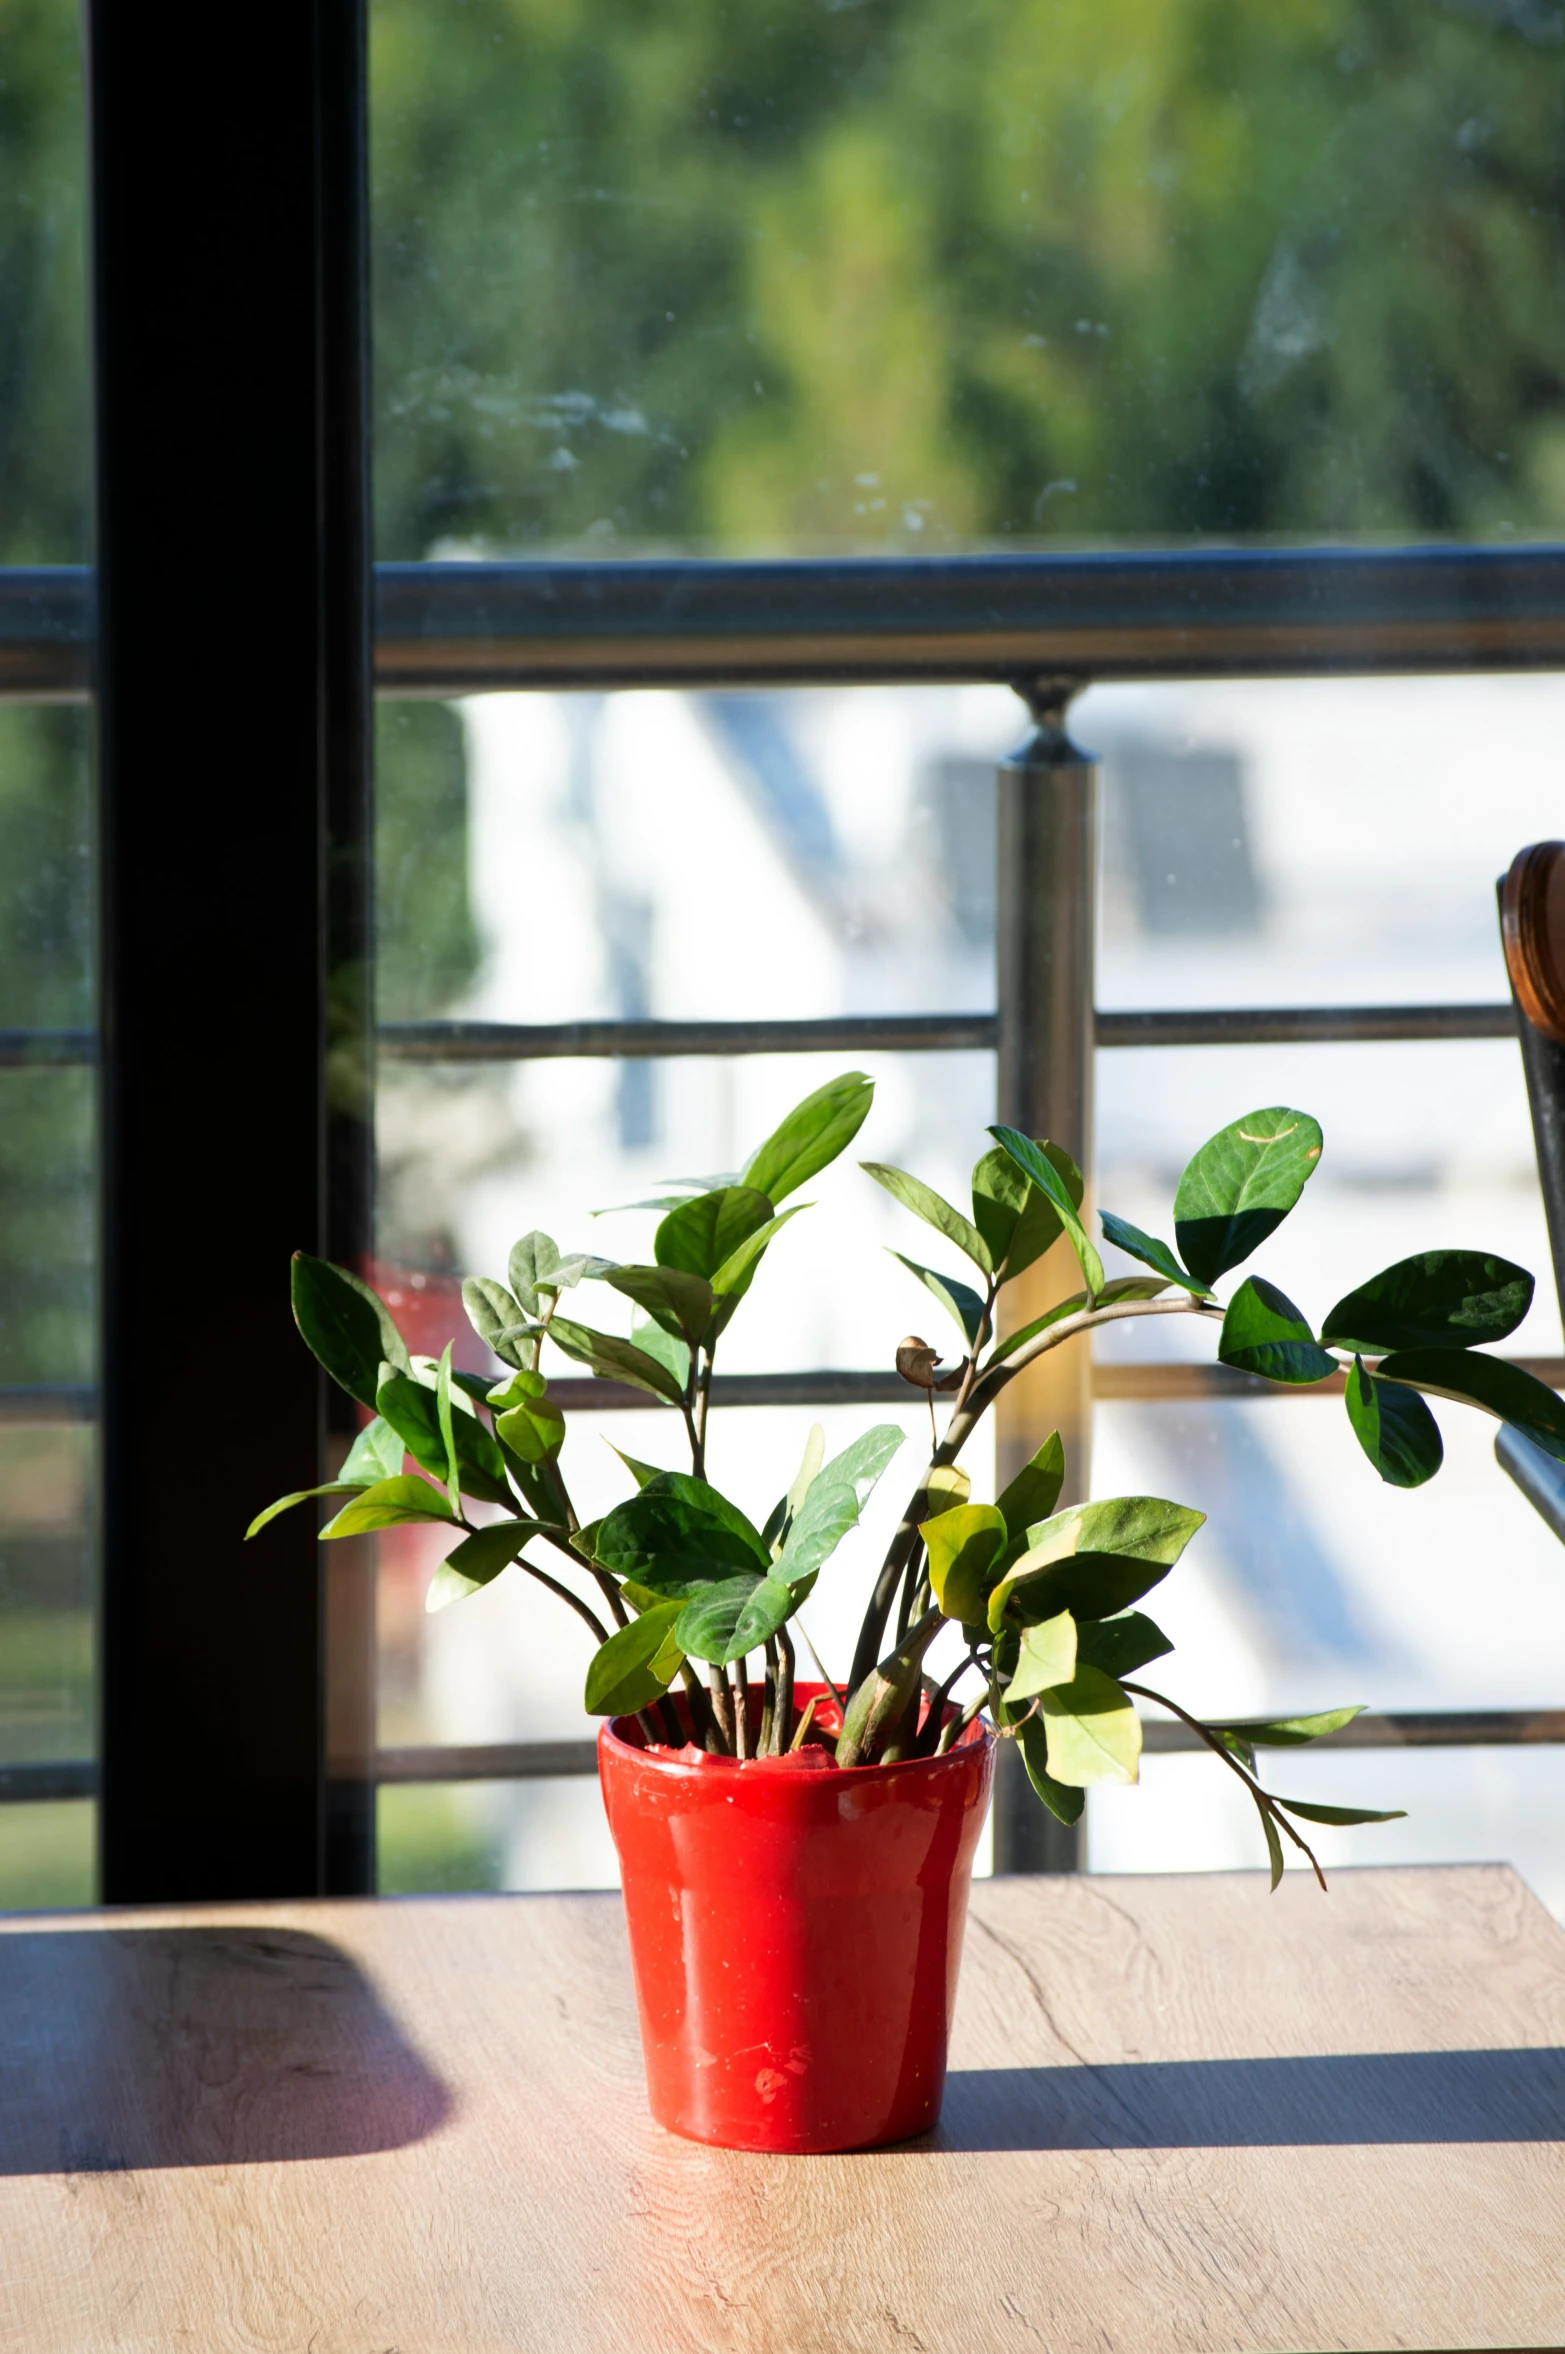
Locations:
{"points": [[1182, 2115]]}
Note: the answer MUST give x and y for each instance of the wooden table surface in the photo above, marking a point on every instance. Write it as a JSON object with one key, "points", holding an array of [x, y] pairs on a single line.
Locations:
{"points": [[1182, 2114]]}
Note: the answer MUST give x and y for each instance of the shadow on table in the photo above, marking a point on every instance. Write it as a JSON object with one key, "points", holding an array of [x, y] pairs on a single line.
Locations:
{"points": [[139, 2047], [1348, 2097]]}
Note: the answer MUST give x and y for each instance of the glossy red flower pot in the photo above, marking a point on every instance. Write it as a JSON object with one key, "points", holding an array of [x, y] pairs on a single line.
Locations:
{"points": [[795, 1931]]}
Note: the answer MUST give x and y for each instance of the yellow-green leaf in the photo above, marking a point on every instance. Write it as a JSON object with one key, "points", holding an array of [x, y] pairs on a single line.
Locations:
{"points": [[1048, 1657], [964, 1545], [1093, 1730]]}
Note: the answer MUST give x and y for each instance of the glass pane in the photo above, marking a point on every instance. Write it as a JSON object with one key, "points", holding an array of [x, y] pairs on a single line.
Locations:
{"points": [[640, 855], [47, 1137], [913, 276]]}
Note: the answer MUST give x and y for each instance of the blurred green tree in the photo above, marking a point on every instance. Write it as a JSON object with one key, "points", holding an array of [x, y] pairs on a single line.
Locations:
{"points": [[902, 274]]}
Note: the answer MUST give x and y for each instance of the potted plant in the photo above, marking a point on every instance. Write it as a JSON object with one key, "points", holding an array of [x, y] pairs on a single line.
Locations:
{"points": [[796, 1850]]}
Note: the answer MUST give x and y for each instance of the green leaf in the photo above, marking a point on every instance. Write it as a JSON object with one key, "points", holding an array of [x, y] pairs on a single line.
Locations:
{"points": [[837, 1495], [662, 1348], [514, 1390], [1048, 1657], [538, 1272], [1037, 1165], [345, 1324], [732, 1278], [534, 1428], [477, 1562], [784, 1512], [1147, 1248], [678, 1536], [1437, 1299], [812, 1135], [1120, 1645], [935, 1211], [678, 1302], [1094, 1733], [1285, 1732], [1034, 1492], [1016, 1221], [1505, 1391], [390, 1503], [335, 1487], [413, 1413], [1095, 1559], [947, 1486], [375, 1454], [964, 1548], [959, 1300], [1263, 1332], [614, 1359], [702, 1234], [1395, 1429], [1060, 1798], [497, 1319], [443, 1416], [642, 1473], [1240, 1186], [726, 1621], [1338, 1814], [1273, 1844], [636, 1665]]}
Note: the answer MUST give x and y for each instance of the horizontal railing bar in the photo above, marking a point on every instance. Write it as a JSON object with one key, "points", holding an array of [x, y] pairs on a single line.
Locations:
{"points": [[70, 1777], [1487, 1728], [47, 1401], [538, 1761], [496, 1761], [1305, 1025], [483, 1042], [506, 1042], [445, 629], [31, 1050], [449, 629], [1147, 1383]]}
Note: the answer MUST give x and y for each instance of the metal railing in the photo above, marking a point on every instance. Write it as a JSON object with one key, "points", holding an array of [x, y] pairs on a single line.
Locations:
{"points": [[551, 1761], [1049, 624], [456, 629], [461, 1041]]}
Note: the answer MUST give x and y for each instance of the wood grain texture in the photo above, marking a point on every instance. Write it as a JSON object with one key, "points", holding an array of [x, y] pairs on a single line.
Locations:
{"points": [[1181, 2116]]}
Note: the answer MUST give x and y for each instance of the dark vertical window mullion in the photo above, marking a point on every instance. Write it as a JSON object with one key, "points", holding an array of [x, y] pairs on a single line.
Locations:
{"points": [[228, 238]]}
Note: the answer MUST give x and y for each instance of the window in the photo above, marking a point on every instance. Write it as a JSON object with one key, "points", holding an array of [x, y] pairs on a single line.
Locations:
{"points": [[752, 407]]}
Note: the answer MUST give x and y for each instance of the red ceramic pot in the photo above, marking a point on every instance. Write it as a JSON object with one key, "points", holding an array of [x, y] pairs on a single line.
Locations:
{"points": [[795, 1930]]}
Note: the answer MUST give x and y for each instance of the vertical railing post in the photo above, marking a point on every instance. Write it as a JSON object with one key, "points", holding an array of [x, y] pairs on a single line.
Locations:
{"points": [[1046, 911]]}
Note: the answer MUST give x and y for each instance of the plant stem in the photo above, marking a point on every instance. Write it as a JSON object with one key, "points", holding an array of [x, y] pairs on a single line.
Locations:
{"points": [[766, 1741], [703, 1398], [912, 1579], [607, 1585], [703, 1725], [1263, 1798], [784, 1688], [819, 1665], [952, 1733], [722, 1712], [738, 1686], [973, 1401], [934, 1724], [582, 1610]]}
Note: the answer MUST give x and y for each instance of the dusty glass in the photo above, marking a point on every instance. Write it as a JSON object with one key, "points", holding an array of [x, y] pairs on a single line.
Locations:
{"points": [[914, 275], [828, 852], [47, 1139]]}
